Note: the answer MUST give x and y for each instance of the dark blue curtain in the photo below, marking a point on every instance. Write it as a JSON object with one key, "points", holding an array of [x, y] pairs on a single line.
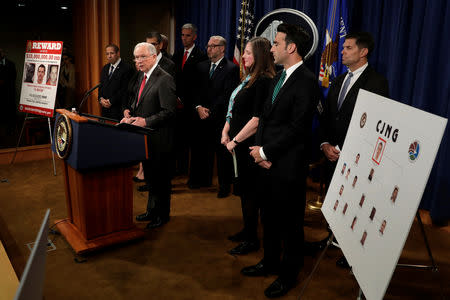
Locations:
{"points": [[412, 46]]}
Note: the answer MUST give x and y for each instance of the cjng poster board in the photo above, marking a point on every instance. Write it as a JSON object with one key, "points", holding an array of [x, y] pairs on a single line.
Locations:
{"points": [[378, 183], [40, 77]]}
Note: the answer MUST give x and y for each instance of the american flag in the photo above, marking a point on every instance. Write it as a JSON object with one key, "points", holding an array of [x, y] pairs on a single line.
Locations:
{"points": [[244, 30]]}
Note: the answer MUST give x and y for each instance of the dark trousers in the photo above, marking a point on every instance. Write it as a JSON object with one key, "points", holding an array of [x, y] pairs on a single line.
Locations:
{"points": [[284, 209], [247, 185], [158, 176]]}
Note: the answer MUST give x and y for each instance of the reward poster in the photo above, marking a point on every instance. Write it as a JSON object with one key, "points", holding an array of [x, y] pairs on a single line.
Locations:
{"points": [[40, 77], [378, 183]]}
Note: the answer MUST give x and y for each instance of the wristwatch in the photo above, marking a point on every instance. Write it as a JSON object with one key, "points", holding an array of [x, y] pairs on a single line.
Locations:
{"points": [[235, 141]]}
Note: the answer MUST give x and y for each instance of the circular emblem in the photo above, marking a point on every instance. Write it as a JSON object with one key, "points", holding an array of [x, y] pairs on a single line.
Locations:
{"points": [[363, 120], [414, 151], [267, 26], [63, 136]]}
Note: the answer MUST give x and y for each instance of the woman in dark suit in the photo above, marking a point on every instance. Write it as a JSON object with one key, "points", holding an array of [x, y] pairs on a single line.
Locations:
{"points": [[245, 107]]}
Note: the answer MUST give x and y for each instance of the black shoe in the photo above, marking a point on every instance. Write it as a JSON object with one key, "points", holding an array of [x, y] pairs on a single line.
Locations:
{"points": [[278, 288], [238, 237], [143, 217], [135, 179], [157, 222], [257, 270], [342, 263], [143, 188], [245, 248], [223, 193]]}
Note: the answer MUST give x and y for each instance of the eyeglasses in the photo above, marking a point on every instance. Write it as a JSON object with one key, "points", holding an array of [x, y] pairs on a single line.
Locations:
{"points": [[141, 58], [212, 46]]}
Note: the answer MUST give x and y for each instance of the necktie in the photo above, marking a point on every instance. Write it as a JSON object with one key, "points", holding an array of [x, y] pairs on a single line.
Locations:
{"points": [[141, 88], [211, 72], [184, 59], [111, 70], [344, 90], [278, 86]]}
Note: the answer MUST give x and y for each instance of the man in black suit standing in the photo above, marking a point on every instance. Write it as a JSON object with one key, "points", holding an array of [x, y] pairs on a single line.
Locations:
{"points": [[282, 151], [340, 102], [114, 80], [165, 63], [152, 104], [186, 60], [217, 78]]}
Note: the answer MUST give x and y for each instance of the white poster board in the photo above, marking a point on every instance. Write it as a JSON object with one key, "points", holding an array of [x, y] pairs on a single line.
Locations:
{"points": [[390, 148], [40, 77]]}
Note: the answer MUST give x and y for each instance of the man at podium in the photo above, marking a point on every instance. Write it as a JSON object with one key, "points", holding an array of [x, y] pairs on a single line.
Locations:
{"points": [[152, 104]]}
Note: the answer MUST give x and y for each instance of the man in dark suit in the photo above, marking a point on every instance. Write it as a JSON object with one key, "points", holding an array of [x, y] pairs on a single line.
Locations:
{"points": [[165, 44], [217, 78], [165, 63], [281, 150], [186, 60], [114, 80], [152, 104], [340, 102]]}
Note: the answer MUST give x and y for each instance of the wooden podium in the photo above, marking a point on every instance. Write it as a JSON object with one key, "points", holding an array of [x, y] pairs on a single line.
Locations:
{"points": [[97, 169]]}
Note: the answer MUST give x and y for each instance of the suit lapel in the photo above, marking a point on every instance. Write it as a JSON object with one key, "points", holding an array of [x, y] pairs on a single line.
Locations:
{"points": [[285, 86], [218, 69], [155, 74], [353, 92]]}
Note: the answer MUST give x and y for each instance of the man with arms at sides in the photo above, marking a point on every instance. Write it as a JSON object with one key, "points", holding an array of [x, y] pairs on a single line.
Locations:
{"points": [[152, 104], [114, 78], [340, 102], [281, 150], [155, 38], [186, 60], [40, 75], [217, 78]]}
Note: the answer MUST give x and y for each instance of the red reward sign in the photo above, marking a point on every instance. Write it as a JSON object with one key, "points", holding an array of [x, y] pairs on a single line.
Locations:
{"points": [[49, 47]]}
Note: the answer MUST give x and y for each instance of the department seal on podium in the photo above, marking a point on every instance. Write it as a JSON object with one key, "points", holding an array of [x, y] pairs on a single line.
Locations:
{"points": [[63, 136]]}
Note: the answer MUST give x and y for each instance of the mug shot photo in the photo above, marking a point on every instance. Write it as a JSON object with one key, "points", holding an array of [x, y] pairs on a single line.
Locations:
{"points": [[353, 222], [363, 120], [363, 239], [357, 158], [371, 174], [361, 202], [29, 72], [345, 209], [378, 152], [341, 190], [348, 173], [343, 169], [52, 76], [372, 213], [354, 181], [394, 194], [383, 226], [336, 205]]}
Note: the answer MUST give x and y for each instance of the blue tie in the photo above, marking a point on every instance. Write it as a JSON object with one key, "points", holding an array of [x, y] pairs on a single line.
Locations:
{"points": [[279, 85], [211, 72], [344, 90]]}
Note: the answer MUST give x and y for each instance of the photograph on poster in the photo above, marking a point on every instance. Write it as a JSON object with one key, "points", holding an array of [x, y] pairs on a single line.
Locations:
{"points": [[378, 151], [357, 158], [394, 194], [336, 205], [343, 169], [372, 213], [40, 74], [363, 239], [361, 202], [383, 226], [353, 222], [354, 181], [52, 76], [29, 72], [345, 208], [341, 190], [371, 174], [363, 120], [348, 173]]}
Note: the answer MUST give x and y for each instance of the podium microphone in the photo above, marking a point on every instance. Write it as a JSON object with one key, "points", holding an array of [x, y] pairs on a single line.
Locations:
{"points": [[87, 94]]}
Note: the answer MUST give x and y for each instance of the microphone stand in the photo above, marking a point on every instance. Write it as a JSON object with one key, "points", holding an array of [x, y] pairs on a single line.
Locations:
{"points": [[87, 94]]}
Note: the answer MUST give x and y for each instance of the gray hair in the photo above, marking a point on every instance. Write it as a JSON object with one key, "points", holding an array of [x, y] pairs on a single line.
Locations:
{"points": [[150, 48], [221, 39], [191, 27]]}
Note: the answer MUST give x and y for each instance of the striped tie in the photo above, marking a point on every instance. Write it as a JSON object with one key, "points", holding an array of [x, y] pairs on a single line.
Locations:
{"points": [[279, 85], [344, 90]]}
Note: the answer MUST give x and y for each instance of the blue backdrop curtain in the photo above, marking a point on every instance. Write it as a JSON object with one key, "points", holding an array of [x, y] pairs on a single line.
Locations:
{"points": [[412, 45]]}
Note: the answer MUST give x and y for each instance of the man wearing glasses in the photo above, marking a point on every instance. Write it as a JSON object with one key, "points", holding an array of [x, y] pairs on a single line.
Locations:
{"points": [[152, 104], [217, 78]]}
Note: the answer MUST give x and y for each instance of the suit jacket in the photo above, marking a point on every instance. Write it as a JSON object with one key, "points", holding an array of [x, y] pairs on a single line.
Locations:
{"points": [[115, 89], [214, 93], [185, 76], [333, 123], [157, 105], [167, 65], [284, 128]]}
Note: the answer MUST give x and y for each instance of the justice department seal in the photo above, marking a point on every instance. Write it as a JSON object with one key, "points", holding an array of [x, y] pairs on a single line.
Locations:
{"points": [[63, 136]]}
